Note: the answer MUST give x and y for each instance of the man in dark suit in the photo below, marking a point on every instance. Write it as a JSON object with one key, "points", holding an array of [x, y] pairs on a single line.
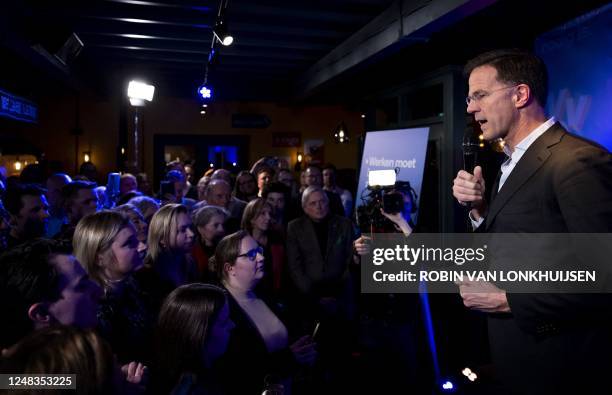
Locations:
{"points": [[551, 182], [319, 250]]}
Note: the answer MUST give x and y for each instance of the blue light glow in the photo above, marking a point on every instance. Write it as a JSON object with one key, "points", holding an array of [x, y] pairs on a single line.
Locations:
{"points": [[448, 386], [205, 92]]}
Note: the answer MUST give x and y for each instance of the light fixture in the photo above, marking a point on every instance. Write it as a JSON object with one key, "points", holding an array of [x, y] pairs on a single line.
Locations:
{"points": [[362, 115], [17, 165], [340, 134], [220, 31], [139, 92], [212, 165], [122, 151], [86, 156], [448, 386], [298, 162], [299, 157], [205, 92], [234, 164], [202, 112]]}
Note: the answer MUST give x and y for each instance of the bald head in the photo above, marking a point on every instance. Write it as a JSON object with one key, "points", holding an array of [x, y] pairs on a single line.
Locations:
{"points": [[222, 174]]}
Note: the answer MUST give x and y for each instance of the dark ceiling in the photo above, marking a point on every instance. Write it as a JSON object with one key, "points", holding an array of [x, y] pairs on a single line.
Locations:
{"points": [[168, 42], [318, 50]]}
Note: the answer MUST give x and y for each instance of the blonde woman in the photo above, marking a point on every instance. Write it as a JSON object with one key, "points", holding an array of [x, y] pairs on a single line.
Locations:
{"points": [[169, 243], [137, 219], [107, 246]]}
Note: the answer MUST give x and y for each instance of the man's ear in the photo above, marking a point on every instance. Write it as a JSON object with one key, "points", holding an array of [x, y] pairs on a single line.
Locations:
{"points": [[523, 95], [39, 314], [229, 269]]}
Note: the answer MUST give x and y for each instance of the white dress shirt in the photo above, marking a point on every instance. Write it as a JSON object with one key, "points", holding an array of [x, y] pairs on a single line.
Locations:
{"points": [[514, 156]]}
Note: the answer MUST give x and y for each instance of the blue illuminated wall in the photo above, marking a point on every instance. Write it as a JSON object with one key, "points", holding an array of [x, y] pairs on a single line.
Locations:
{"points": [[222, 155], [579, 60]]}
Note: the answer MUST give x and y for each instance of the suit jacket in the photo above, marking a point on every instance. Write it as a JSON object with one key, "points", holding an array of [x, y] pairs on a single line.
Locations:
{"points": [[554, 343], [315, 272]]}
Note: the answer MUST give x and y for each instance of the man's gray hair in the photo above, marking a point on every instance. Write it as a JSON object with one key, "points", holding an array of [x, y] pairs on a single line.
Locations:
{"points": [[309, 191]]}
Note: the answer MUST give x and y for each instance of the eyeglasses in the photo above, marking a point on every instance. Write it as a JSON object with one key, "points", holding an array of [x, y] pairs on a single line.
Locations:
{"points": [[252, 254], [478, 96]]}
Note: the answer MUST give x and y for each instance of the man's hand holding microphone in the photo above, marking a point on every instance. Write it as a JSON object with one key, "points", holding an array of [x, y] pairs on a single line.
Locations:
{"points": [[469, 190]]}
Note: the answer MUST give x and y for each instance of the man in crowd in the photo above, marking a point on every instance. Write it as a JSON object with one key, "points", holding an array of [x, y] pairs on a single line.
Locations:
{"points": [[218, 193], [329, 184], [177, 178], [28, 209], [55, 183], [235, 206], [313, 177], [127, 184], [319, 252], [80, 199], [45, 285]]}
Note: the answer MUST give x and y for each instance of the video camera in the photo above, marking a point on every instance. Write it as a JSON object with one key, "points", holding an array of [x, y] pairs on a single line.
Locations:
{"points": [[384, 192]]}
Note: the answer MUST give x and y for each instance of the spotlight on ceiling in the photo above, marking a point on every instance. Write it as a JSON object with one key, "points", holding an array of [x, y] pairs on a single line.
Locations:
{"points": [[221, 33]]}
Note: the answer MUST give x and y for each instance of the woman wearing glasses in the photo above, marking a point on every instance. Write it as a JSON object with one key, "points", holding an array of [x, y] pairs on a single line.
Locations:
{"points": [[259, 344]]}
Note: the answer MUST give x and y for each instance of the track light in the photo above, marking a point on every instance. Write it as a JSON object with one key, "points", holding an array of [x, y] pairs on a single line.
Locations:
{"points": [[221, 33]]}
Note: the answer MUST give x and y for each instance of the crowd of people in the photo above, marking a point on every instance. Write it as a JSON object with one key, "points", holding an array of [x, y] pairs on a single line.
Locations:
{"points": [[177, 291]]}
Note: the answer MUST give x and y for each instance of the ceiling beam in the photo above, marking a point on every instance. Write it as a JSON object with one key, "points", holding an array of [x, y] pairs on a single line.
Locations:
{"points": [[404, 22]]}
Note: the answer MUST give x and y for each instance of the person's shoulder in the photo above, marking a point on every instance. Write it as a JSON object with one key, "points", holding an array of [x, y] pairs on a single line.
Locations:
{"points": [[237, 202], [296, 223], [572, 141], [341, 220]]}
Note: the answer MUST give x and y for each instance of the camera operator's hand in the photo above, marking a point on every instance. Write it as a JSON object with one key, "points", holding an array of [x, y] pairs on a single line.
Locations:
{"points": [[470, 189], [400, 222], [363, 245]]}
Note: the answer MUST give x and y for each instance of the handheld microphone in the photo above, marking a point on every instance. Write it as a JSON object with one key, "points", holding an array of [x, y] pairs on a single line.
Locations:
{"points": [[470, 155], [470, 152]]}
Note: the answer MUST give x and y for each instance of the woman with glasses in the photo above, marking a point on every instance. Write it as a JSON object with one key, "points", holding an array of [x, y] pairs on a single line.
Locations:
{"points": [[259, 344]]}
